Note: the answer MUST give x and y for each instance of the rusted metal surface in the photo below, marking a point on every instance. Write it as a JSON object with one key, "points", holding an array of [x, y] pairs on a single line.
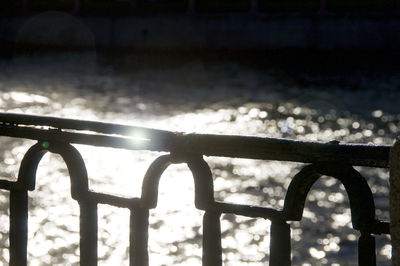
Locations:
{"points": [[332, 159]]}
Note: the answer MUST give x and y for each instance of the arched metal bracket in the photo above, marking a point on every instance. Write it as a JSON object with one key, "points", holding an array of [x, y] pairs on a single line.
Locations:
{"points": [[203, 199], [203, 181], [79, 191], [360, 196], [72, 158]]}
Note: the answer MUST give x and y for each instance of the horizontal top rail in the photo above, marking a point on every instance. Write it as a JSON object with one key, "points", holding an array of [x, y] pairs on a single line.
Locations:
{"points": [[140, 138], [74, 124]]}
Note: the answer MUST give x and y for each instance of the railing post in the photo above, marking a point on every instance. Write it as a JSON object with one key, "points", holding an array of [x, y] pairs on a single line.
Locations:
{"points": [[366, 250], [79, 192], [19, 205], [88, 232], [138, 237], [280, 244], [18, 227], [212, 251], [394, 163]]}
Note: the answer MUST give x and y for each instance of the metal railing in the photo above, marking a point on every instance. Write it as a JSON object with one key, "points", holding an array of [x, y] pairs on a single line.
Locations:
{"points": [[56, 135]]}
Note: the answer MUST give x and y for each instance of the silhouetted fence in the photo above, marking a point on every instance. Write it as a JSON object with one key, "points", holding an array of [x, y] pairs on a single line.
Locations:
{"points": [[56, 135]]}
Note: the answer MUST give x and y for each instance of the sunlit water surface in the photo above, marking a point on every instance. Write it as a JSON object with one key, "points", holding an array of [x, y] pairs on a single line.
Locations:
{"points": [[203, 97]]}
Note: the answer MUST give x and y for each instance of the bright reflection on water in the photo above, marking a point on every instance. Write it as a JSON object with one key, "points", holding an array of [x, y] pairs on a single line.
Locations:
{"points": [[215, 97]]}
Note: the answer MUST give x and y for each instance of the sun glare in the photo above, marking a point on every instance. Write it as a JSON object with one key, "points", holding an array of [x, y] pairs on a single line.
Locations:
{"points": [[138, 135]]}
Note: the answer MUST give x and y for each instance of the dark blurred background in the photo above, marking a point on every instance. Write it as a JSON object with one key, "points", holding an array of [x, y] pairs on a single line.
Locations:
{"points": [[123, 7], [200, 25]]}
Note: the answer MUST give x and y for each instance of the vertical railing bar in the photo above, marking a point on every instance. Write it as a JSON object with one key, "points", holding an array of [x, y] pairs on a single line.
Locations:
{"points": [[138, 237], [212, 251], [366, 250], [280, 248], [18, 227], [395, 201], [80, 191], [88, 233], [18, 234]]}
